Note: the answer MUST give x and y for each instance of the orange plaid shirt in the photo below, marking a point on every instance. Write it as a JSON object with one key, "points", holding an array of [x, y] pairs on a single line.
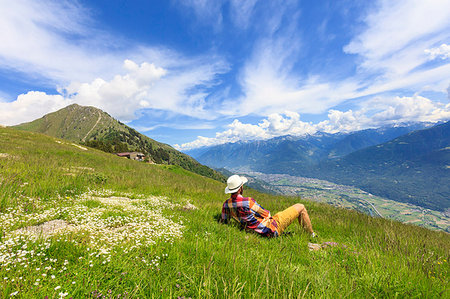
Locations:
{"points": [[249, 214]]}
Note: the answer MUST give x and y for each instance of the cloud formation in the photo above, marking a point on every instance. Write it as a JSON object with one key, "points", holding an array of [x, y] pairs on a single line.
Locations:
{"points": [[268, 79], [373, 113], [30, 106], [212, 12], [443, 52], [86, 65], [394, 39], [270, 84], [392, 46], [142, 86], [393, 52], [54, 41], [123, 95]]}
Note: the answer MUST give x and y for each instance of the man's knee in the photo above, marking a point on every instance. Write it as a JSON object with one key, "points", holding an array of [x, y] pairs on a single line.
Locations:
{"points": [[300, 207]]}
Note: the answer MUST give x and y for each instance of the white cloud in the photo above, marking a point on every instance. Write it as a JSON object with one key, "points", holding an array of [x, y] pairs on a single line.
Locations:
{"points": [[123, 95], [271, 86], [31, 105], [443, 51], [382, 111], [396, 37], [373, 113], [185, 90], [35, 40], [62, 44], [339, 121], [269, 82], [406, 109], [143, 86], [396, 27], [288, 123]]}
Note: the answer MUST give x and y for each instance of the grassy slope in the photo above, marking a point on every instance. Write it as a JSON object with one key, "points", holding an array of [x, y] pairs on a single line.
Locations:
{"points": [[83, 123], [73, 123], [383, 258]]}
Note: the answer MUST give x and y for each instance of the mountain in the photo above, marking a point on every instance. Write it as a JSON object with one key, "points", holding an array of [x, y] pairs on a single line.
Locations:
{"points": [[413, 168], [366, 138], [95, 128], [287, 151], [400, 163]]}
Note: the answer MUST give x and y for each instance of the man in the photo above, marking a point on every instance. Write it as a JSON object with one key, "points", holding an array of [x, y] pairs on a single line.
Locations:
{"points": [[254, 217]]}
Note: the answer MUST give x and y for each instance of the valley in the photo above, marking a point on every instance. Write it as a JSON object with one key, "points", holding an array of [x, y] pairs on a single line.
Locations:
{"points": [[353, 198]]}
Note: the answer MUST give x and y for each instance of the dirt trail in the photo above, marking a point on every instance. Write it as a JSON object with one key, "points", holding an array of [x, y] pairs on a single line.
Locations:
{"points": [[98, 120]]}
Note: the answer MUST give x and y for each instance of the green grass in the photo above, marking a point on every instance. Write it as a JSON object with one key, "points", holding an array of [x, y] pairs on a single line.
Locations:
{"points": [[376, 257]]}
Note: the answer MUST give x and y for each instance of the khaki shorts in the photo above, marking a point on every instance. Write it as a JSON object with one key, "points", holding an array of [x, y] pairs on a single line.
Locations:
{"points": [[285, 218]]}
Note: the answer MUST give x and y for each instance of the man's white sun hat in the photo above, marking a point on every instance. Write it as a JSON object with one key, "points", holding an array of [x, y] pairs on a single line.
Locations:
{"points": [[235, 182]]}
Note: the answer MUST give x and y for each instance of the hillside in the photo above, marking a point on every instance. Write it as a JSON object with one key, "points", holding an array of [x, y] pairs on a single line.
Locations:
{"points": [[77, 222], [92, 127]]}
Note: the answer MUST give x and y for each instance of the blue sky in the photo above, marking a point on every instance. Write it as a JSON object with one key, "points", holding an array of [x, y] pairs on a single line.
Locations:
{"points": [[194, 73]]}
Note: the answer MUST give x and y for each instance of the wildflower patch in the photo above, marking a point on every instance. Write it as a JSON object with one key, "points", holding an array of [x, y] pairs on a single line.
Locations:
{"points": [[87, 232], [105, 221]]}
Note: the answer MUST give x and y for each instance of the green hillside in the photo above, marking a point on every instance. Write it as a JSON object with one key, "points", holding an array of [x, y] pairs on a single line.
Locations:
{"points": [[94, 128], [76, 222]]}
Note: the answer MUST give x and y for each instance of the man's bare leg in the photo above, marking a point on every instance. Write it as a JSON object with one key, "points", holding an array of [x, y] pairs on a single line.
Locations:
{"points": [[303, 218]]}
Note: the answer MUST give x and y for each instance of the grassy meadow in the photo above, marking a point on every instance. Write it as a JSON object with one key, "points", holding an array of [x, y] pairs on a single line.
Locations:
{"points": [[125, 229]]}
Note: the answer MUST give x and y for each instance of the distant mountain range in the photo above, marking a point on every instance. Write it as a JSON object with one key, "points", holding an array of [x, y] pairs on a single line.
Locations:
{"points": [[408, 164], [93, 127], [305, 150]]}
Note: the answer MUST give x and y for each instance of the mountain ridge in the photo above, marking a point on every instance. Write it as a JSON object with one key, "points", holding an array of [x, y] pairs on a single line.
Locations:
{"points": [[314, 147], [412, 168]]}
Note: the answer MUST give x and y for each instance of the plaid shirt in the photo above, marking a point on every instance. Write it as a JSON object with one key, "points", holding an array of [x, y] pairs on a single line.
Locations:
{"points": [[250, 214]]}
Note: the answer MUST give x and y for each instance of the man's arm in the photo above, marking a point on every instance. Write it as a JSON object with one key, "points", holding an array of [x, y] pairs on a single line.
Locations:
{"points": [[225, 216], [258, 209]]}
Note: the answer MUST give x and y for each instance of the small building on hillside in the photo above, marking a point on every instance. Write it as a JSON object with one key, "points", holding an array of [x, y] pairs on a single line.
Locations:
{"points": [[132, 155]]}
